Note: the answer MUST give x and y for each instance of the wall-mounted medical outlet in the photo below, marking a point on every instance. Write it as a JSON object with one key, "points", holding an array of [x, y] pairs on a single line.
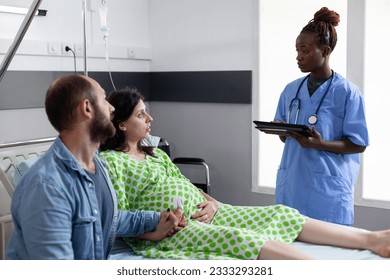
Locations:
{"points": [[79, 49], [64, 46], [54, 48], [130, 52]]}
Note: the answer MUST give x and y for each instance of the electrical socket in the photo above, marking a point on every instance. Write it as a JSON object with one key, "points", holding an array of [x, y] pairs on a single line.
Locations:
{"points": [[63, 49], [54, 48]]}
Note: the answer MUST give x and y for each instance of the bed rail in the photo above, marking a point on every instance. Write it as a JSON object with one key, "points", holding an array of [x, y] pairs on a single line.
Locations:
{"points": [[5, 228], [26, 142]]}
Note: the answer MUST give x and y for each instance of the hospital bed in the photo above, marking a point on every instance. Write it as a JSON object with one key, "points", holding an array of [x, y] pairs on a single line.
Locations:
{"points": [[16, 157]]}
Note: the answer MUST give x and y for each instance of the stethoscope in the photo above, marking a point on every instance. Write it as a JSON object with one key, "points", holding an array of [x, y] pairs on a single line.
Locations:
{"points": [[312, 119]]}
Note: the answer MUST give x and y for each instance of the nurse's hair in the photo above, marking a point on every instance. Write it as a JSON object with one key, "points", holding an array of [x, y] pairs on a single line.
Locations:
{"points": [[323, 25]]}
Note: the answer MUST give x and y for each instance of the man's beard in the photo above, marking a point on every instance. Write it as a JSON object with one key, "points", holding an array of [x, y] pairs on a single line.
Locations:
{"points": [[101, 127]]}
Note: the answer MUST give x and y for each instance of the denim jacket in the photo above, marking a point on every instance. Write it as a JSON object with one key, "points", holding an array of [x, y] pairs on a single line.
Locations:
{"points": [[56, 214]]}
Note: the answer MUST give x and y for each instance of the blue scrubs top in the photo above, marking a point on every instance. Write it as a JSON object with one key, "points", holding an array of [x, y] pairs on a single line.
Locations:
{"points": [[320, 184]]}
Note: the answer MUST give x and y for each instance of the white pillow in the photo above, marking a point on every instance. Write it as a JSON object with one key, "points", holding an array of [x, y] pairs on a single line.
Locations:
{"points": [[151, 141], [21, 169]]}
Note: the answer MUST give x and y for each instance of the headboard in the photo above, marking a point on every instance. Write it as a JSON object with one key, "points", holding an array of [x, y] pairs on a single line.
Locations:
{"points": [[12, 155]]}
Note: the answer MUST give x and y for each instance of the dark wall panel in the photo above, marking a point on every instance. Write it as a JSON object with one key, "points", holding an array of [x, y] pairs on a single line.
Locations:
{"points": [[27, 89], [140, 80], [206, 86]]}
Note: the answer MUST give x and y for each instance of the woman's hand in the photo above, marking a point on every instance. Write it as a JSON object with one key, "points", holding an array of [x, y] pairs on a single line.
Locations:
{"points": [[208, 210], [182, 221]]}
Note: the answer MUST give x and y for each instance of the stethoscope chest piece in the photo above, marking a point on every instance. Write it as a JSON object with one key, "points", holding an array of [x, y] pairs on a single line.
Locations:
{"points": [[312, 119]]}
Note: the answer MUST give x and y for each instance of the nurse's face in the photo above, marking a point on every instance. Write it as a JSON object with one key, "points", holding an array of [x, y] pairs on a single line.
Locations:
{"points": [[310, 57]]}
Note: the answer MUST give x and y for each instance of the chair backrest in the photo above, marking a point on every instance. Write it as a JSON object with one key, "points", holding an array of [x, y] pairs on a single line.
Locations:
{"points": [[164, 145]]}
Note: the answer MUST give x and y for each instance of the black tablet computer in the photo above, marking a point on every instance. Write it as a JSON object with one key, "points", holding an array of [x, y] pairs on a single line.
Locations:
{"points": [[282, 129]]}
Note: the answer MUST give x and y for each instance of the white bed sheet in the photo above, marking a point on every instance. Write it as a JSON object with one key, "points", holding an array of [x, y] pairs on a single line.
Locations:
{"points": [[336, 253], [123, 252]]}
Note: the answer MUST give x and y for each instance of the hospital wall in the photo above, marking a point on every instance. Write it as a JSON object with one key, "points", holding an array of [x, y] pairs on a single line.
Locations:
{"points": [[217, 38], [173, 36]]}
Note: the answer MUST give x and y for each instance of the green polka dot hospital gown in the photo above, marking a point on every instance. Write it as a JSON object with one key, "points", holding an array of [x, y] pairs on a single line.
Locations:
{"points": [[236, 232]]}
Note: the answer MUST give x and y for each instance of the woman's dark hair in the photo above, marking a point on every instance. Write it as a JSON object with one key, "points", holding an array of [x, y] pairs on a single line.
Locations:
{"points": [[323, 25], [124, 102]]}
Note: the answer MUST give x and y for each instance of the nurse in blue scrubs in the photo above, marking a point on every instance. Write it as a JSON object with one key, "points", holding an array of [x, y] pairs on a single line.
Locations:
{"points": [[317, 174]]}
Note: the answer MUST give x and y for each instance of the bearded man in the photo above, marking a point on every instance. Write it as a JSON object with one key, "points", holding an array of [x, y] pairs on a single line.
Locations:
{"points": [[65, 206]]}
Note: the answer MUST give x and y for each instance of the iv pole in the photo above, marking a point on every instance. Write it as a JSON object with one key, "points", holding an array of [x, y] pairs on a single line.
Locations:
{"points": [[85, 36]]}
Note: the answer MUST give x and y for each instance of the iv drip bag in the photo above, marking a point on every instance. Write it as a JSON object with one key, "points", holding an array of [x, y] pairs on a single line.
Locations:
{"points": [[103, 18]]}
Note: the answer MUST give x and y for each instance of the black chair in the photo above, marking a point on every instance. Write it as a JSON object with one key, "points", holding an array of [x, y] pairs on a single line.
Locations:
{"points": [[205, 185]]}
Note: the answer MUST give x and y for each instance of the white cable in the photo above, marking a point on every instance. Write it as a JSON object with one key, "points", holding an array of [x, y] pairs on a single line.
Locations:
{"points": [[108, 62]]}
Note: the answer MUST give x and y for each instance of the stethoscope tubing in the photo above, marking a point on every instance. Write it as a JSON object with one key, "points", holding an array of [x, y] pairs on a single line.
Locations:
{"points": [[296, 98]]}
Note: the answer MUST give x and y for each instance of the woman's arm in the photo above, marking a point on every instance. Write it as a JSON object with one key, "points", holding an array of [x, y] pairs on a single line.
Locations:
{"points": [[344, 146]]}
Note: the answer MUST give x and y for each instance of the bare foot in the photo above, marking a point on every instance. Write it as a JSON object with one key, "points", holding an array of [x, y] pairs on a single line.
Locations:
{"points": [[380, 243]]}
